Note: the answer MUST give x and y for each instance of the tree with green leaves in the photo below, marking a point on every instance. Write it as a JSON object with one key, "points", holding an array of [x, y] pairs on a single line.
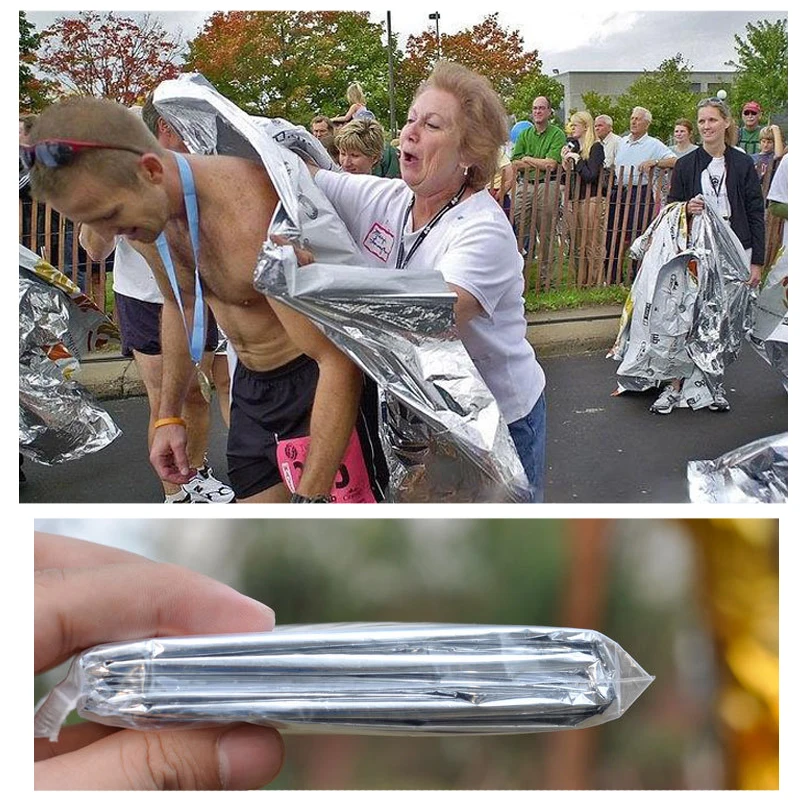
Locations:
{"points": [[33, 91], [762, 66], [534, 84], [666, 92], [293, 64]]}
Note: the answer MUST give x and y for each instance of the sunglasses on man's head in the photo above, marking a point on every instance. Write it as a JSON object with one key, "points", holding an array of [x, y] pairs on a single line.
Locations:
{"points": [[60, 152]]}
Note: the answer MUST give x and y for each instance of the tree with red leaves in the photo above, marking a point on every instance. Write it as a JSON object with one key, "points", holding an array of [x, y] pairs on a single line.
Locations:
{"points": [[106, 55], [487, 48]]}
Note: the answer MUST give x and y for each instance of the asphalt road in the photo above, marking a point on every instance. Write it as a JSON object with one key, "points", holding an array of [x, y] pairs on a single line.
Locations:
{"points": [[600, 449]]}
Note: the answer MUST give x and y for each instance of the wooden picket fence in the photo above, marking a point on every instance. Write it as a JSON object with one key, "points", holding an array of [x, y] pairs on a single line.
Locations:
{"points": [[586, 240]]}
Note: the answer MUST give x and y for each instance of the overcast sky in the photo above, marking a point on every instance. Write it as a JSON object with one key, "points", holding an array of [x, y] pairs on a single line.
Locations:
{"points": [[573, 35]]}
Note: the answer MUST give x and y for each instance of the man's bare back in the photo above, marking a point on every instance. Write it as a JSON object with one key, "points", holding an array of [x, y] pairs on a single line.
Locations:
{"points": [[236, 201]]}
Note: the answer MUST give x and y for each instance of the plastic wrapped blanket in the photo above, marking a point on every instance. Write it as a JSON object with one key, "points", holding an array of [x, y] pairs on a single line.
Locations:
{"points": [[59, 420], [391, 678], [755, 473], [441, 430], [689, 307]]}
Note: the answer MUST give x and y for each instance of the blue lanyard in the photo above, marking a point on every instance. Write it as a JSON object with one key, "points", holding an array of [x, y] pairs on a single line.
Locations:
{"points": [[195, 339]]}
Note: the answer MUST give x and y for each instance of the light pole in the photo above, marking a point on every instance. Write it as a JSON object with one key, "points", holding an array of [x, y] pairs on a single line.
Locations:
{"points": [[435, 16]]}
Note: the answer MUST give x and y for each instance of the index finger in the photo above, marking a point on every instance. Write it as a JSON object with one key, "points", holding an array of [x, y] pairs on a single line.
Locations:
{"points": [[78, 608]]}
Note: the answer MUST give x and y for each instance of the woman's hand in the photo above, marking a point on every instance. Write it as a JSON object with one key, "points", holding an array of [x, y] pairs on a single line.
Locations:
{"points": [[696, 205], [755, 276], [86, 594]]}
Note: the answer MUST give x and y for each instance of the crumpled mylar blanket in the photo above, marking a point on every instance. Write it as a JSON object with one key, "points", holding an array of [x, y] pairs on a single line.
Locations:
{"points": [[441, 430], [770, 334], [754, 473], [59, 420], [367, 678], [688, 309]]}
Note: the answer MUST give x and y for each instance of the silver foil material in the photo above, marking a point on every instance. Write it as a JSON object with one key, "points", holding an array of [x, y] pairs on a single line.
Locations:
{"points": [[754, 473], [374, 678], [442, 433], [770, 333], [689, 307], [59, 420]]}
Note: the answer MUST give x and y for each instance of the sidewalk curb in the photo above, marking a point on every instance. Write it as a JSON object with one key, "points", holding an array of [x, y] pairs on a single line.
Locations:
{"points": [[552, 333]]}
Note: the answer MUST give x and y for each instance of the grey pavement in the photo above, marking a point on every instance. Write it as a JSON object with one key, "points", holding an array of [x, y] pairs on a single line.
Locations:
{"points": [[600, 448]]}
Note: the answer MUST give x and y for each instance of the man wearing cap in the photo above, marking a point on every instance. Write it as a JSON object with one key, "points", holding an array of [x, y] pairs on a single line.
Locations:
{"points": [[750, 131]]}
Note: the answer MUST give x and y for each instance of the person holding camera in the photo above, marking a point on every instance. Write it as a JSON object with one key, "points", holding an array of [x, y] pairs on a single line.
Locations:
{"points": [[582, 158]]}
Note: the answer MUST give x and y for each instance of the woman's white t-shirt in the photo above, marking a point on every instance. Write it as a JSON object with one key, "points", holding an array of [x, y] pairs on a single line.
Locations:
{"points": [[474, 248]]}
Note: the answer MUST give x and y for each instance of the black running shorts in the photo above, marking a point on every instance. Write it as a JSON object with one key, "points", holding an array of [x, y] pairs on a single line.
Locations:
{"points": [[140, 326], [275, 405]]}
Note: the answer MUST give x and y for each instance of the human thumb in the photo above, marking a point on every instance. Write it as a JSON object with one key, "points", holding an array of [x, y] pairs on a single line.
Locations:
{"points": [[238, 757]]}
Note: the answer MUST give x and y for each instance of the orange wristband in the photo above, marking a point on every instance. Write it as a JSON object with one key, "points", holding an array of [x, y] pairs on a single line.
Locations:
{"points": [[159, 423]]}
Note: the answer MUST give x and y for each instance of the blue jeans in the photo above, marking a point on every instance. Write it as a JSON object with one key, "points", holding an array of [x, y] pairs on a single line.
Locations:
{"points": [[529, 435]]}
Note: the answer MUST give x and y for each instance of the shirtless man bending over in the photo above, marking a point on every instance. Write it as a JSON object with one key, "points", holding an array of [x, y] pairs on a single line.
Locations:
{"points": [[130, 186]]}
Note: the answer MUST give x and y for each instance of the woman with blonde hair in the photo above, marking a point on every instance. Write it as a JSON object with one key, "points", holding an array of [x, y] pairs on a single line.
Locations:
{"points": [[358, 105], [584, 155], [441, 216]]}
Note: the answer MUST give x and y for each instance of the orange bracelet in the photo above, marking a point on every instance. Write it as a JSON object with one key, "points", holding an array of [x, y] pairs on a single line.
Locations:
{"points": [[159, 423]]}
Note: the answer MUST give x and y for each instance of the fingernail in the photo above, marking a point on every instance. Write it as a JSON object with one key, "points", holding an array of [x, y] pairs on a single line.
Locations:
{"points": [[249, 757]]}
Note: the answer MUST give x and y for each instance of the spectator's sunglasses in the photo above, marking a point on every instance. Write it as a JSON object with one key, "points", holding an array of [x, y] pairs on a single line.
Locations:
{"points": [[716, 102], [60, 152], [750, 113]]}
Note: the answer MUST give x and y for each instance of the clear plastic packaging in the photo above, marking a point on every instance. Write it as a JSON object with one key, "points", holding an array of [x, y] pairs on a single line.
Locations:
{"points": [[367, 678]]}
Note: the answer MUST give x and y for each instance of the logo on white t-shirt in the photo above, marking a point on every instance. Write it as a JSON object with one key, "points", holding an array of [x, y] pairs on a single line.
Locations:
{"points": [[380, 242]]}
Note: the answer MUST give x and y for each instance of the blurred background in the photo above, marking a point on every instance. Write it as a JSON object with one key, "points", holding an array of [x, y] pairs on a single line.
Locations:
{"points": [[695, 602]]}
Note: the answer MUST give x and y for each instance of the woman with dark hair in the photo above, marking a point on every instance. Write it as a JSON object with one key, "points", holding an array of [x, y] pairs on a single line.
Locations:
{"points": [[441, 216], [720, 176]]}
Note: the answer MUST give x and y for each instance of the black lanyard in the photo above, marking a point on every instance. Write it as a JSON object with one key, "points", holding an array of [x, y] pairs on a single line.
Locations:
{"points": [[401, 261]]}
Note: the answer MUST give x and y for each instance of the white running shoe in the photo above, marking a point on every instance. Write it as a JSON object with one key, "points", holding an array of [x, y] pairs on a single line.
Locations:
{"points": [[667, 400], [719, 401], [181, 496], [205, 488]]}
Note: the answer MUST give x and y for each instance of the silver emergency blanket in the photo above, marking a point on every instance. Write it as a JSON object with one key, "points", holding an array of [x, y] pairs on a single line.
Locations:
{"points": [[384, 678], [755, 473], [770, 333], [59, 420], [441, 430], [689, 307]]}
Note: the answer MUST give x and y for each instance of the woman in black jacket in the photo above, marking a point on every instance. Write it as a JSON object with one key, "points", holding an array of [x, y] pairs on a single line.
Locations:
{"points": [[583, 207], [719, 175]]}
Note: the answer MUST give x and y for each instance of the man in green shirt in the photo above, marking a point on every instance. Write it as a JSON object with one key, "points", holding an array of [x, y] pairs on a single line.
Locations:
{"points": [[750, 131], [535, 157]]}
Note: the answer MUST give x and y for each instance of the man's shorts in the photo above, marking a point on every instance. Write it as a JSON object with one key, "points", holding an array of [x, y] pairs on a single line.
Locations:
{"points": [[140, 326], [267, 407]]}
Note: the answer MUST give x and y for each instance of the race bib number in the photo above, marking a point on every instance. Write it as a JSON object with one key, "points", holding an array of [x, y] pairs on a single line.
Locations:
{"points": [[352, 483]]}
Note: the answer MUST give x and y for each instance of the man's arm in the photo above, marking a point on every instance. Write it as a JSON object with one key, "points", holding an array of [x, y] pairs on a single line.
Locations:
{"points": [[168, 453], [335, 401]]}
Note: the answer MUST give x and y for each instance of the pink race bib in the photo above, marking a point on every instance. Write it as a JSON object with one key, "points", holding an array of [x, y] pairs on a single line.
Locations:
{"points": [[352, 480]]}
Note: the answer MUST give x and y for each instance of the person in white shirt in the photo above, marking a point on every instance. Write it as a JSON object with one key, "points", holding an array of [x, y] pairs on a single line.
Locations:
{"points": [[637, 155], [603, 130], [441, 216]]}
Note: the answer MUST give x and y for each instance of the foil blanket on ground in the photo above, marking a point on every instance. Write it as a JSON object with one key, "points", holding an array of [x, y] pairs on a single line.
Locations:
{"points": [[689, 307], [754, 473], [59, 420], [376, 678], [441, 430]]}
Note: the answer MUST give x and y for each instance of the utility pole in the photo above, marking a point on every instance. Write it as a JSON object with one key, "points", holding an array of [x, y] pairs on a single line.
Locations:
{"points": [[435, 16], [390, 48]]}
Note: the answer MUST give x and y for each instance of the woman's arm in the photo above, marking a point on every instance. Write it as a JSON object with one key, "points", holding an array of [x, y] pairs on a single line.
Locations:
{"points": [[778, 136], [590, 170], [348, 116], [754, 209]]}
